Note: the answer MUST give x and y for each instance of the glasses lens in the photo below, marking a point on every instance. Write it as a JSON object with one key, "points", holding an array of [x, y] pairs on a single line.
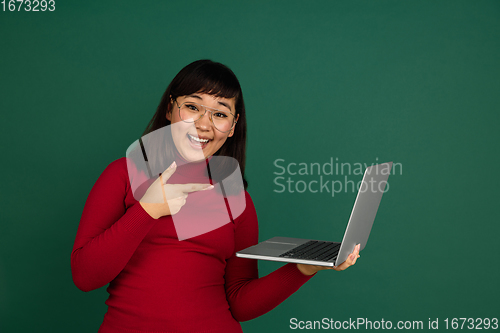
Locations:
{"points": [[223, 120], [191, 112]]}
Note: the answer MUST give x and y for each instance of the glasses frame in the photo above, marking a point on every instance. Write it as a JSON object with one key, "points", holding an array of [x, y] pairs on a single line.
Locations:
{"points": [[204, 113]]}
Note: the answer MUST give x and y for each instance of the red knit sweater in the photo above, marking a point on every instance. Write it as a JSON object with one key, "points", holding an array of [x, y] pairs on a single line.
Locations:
{"points": [[160, 284]]}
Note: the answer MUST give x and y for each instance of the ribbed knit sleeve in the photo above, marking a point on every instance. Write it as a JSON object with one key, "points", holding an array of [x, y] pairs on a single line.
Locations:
{"points": [[109, 232], [248, 295]]}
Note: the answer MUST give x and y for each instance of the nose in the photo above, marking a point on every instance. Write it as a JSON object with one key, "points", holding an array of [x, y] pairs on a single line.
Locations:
{"points": [[204, 123]]}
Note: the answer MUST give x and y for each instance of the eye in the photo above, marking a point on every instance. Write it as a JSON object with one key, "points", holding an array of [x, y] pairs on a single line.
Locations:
{"points": [[220, 114], [192, 107]]}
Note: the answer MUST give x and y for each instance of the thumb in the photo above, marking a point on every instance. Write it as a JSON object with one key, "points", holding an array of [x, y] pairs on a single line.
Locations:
{"points": [[168, 173]]}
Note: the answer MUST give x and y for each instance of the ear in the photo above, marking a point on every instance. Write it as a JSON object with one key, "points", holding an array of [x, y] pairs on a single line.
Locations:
{"points": [[169, 109], [235, 122]]}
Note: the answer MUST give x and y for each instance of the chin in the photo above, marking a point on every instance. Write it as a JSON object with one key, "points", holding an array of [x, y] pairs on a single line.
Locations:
{"points": [[190, 156]]}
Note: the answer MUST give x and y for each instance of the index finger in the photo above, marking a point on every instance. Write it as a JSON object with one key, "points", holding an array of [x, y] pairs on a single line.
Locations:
{"points": [[187, 188]]}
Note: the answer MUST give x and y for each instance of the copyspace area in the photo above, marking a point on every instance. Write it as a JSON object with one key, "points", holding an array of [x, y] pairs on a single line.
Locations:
{"points": [[335, 83]]}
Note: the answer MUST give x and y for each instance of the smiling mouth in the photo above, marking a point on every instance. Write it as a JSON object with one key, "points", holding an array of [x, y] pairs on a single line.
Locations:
{"points": [[197, 142]]}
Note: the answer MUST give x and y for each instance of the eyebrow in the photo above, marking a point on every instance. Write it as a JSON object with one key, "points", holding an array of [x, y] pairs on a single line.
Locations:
{"points": [[194, 96], [201, 99]]}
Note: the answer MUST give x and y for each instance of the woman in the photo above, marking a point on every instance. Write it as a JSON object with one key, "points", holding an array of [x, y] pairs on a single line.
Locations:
{"points": [[128, 235]]}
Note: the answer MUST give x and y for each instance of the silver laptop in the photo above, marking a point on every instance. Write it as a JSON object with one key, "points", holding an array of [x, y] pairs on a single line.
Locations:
{"points": [[325, 253]]}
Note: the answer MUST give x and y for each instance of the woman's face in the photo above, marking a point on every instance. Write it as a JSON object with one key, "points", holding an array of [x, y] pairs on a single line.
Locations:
{"points": [[199, 140]]}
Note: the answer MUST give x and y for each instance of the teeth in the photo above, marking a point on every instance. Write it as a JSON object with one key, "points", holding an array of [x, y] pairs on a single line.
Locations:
{"points": [[198, 140]]}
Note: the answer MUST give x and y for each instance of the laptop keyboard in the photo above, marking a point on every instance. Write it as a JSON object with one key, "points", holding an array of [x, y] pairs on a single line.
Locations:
{"points": [[314, 250]]}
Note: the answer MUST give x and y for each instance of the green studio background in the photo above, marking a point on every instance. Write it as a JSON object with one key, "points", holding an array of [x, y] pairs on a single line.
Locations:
{"points": [[414, 82]]}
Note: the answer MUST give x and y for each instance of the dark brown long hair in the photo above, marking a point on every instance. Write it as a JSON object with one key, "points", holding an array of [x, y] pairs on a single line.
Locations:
{"points": [[206, 76]]}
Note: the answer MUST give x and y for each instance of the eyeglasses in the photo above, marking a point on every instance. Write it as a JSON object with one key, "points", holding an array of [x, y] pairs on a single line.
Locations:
{"points": [[191, 112]]}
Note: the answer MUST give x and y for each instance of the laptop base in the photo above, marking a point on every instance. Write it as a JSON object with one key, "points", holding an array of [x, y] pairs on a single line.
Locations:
{"points": [[282, 249]]}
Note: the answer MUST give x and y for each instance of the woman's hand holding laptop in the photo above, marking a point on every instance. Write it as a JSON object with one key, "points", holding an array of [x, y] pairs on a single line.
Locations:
{"points": [[311, 269]]}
